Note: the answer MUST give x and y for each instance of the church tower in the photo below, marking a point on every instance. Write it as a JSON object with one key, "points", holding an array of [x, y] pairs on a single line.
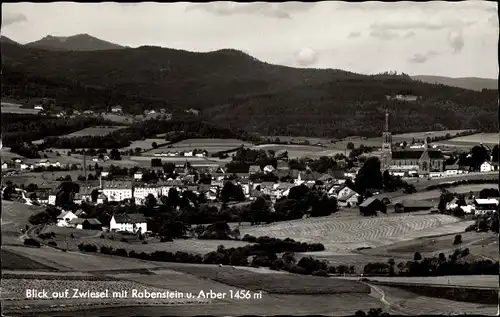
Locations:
{"points": [[386, 144]]}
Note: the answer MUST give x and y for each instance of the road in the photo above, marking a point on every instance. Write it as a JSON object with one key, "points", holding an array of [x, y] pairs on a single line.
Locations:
{"points": [[378, 293]]}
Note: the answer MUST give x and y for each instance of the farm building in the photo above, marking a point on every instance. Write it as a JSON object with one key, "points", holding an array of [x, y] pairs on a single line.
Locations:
{"points": [[130, 222], [65, 218], [116, 109], [412, 161], [371, 206], [138, 176], [254, 169], [86, 224], [5, 165], [348, 200], [268, 169], [452, 169], [485, 205], [411, 206], [487, 167], [51, 200], [340, 191]]}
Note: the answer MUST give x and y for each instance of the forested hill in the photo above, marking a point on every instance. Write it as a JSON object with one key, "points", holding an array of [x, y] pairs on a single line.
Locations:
{"points": [[79, 42], [237, 90]]}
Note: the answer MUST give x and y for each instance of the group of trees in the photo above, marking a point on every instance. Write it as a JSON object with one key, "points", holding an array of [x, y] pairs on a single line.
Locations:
{"points": [[370, 177], [20, 128]]}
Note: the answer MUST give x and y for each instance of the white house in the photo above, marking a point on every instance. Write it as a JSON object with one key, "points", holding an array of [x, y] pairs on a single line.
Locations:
{"points": [[138, 176], [141, 192], [130, 222], [349, 200], [38, 107], [101, 198], [117, 191], [487, 167], [188, 153], [64, 219], [452, 169], [24, 166], [18, 161], [104, 174], [342, 191], [268, 169], [44, 163], [56, 164], [52, 199], [5, 165], [116, 109]]}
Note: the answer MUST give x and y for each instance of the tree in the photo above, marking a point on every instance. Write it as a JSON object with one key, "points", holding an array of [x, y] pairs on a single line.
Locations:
{"points": [[417, 256], [494, 154], [259, 209], [369, 176], [231, 192], [391, 263], [114, 154], [156, 162], [350, 146], [150, 201], [458, 239], [479, 155], [154, 145]]}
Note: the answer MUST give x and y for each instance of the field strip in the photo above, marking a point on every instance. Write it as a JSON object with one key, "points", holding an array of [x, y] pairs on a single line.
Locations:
{"points": [[340, 234]]}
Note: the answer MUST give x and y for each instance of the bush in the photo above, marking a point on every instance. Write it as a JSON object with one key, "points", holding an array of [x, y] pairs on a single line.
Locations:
{"points": [[87, 247], [106, 250], [31, 242], [249, 238], [144, 242], [458, 239], [102, 236], [310, 264], [120, 252], [52, 243], [124, 240], [331, 270], [298, 270], [320, 273], [260, 260]]}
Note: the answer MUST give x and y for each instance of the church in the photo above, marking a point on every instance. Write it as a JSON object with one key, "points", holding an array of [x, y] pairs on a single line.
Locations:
{"points": [[409, 162]]}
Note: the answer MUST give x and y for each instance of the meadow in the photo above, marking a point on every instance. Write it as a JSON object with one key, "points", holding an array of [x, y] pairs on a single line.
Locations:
{"points": [[338, 234], [15, 215], [95, 131], [491, 139], [433, 195], [144, 145], [210, 145], [8, 107], [479, 243], [408, 137], [298, 151]]}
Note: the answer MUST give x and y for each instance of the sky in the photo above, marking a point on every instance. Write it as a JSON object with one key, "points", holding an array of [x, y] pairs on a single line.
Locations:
{"points": [[454, 39]]}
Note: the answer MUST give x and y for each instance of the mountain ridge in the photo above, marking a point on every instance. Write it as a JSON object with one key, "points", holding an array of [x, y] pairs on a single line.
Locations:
{"points": [[78, 42], [238, 90], [472, 83]]}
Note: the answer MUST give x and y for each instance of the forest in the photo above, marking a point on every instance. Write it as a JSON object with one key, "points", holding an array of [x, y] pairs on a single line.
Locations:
{"points": [[235, 90]]}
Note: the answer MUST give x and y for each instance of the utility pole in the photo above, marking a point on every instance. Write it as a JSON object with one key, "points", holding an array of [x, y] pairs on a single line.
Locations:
{"points": [[85, 167]]}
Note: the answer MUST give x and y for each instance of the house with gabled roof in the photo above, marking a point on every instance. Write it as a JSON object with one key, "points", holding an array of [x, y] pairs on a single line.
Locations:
{"points": [[129, 222], [86, 224], [348, 200], [254, 169], [64, 219]]}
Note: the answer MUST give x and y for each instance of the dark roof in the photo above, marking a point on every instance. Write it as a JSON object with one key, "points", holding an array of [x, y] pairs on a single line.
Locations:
{"points": [[369, 201], [415, 155], [130, 218]]}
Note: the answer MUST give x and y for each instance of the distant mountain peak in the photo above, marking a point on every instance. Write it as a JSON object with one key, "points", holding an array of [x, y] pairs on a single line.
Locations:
{"points": [[78, 42]]}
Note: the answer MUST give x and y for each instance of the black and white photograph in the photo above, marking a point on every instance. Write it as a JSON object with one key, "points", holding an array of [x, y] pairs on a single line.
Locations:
{"points": [[225, 158]]}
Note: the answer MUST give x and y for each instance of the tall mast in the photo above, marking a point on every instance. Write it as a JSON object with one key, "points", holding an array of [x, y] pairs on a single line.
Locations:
{"points": [[386, 120]]}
